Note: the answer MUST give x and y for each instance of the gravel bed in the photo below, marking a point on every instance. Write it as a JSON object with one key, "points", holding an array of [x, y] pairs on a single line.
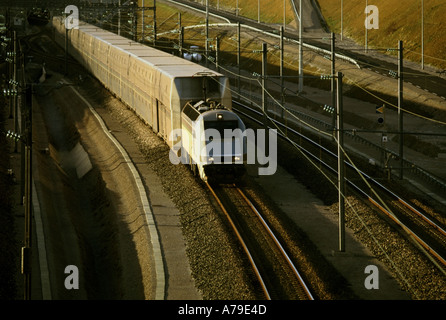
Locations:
{"points": [[414, 272], [218, 265], [217, 262], [324, 281]]}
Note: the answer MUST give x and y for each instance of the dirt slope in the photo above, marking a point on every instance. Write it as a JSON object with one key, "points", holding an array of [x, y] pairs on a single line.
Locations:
{"points": [[398, 20]]}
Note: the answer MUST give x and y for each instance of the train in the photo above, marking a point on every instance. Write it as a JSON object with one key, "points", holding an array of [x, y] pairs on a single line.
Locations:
{"points": [[189, 106]]}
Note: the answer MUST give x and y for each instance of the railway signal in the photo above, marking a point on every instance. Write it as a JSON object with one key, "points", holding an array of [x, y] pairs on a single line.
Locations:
{"points": [[380, 111]]}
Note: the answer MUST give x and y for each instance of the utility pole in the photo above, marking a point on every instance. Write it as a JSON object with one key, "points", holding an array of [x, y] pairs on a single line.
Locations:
{"points": [[366, 35], [22, 104], [342, 19], [422, 34], [264, 71], [264, 97], [142, 22], [181, 41], [66, 51], [282, 93], [181, 35], [14, 87], [400, 105], [206, 49], [9, 73], [333, 80], [284, 14], [301, 72], [154, 23], [135, 22], [238, 56], [258, 11], [26, 249], [341, 183], [217, 53], [119, 17]]}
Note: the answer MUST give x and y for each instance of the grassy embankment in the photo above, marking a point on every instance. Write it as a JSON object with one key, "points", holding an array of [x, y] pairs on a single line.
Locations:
{"points": [[398, 20], [271, 12]]}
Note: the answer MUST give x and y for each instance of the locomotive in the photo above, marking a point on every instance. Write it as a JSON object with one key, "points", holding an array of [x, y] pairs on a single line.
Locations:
{"points": [[189, 106]]}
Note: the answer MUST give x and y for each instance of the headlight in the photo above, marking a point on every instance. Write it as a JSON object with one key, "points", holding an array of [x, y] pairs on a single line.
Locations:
{"points": [[211, 159], [237, 158]]}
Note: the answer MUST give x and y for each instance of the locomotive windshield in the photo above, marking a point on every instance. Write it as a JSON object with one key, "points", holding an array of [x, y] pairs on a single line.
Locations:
{"points": [[221, 125]]}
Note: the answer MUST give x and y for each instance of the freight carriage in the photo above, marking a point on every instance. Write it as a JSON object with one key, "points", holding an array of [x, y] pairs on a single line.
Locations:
{"points": [[178, 98]]}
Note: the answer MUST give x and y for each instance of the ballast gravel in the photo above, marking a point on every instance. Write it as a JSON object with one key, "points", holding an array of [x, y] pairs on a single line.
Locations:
{"points": [[217, 264]]}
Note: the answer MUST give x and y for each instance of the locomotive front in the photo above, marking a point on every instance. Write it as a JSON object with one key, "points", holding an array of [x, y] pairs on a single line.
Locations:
{"points": [[222, 144], [213, 140]]}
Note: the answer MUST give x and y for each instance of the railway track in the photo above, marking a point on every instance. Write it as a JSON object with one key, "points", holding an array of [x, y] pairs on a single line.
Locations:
{"points": [[427, 232], [430, 82], [424, 230], [278, 277]]}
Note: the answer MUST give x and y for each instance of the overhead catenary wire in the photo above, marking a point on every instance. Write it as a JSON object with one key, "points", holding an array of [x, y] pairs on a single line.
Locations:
{"points": [[296, 117], [346, 199], [354, 83], [394, 106], [350, 205], [362, 88], [309, 71]]}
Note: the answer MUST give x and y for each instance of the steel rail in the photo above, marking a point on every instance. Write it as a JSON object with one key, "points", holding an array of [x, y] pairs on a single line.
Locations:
{"points": [[278, 244], [407, 205], [240, 238], [370, 198], [190, 6], [369, 178]]}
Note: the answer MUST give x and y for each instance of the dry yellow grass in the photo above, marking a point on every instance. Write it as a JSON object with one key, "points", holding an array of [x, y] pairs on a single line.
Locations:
{"points": [[167, 20], [271, 11], [398, 20]]}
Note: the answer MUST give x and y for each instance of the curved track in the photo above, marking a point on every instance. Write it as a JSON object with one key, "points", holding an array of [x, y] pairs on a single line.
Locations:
{"points": [[277, 275], [432, 83], [429, 235]]}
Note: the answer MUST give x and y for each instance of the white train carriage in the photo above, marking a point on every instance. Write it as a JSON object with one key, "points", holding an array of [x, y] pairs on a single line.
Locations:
{"points": [[155, 84], [213, 140]]}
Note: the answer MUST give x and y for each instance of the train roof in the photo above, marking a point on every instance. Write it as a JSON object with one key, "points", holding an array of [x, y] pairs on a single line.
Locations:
{"points": [[165, 62]]}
